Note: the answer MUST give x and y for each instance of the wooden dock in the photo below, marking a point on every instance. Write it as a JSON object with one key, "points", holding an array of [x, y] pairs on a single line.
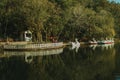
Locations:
{"points": [[33, 46]]}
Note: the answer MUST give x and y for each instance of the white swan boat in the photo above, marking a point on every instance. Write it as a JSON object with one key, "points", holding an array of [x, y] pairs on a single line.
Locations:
{"points": [[75, 44]]}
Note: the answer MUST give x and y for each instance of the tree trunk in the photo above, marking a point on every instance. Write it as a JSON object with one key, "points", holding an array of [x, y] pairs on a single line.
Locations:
{"points": [[39, 37]]}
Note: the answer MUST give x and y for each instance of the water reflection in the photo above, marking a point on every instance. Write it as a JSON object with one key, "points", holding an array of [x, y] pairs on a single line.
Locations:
{"points": [[85, 64], [30, 54], [74, 48], [92, 64], [117, 78]]}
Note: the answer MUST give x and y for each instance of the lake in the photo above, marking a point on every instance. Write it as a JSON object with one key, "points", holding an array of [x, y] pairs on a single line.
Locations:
{"points": [[88, 62]]}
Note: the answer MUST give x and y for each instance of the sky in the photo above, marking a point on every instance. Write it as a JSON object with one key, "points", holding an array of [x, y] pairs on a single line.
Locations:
{"points": [[117, 1]]}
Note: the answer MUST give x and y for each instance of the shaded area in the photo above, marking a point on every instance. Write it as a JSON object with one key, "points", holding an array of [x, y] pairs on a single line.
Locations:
{"points": [[86, 64]]}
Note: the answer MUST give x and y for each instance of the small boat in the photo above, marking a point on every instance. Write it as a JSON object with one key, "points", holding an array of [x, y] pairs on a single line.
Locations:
{"points": [[104, 46], [75, 44], [93, 41], [106, 41], [110, 41]]}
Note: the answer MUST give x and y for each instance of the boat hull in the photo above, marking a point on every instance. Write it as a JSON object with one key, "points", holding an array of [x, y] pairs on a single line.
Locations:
{"points": [[101, 42], [92, 43], [106, 42]]}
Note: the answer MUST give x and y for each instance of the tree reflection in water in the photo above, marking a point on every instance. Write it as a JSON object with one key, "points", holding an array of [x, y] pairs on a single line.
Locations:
{"points": [[86, 64]]}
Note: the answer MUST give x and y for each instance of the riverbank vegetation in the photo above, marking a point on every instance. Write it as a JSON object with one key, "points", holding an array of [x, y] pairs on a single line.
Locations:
{"points": [[63, 20]]}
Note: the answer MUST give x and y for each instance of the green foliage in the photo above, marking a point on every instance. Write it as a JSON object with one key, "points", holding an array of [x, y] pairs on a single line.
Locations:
{"points": [[63, 19]]}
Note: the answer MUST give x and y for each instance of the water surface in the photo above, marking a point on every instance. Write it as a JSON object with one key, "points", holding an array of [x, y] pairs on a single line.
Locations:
{"points": [[98, 62]]}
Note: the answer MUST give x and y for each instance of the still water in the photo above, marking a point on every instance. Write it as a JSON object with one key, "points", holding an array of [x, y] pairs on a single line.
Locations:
{"points": [[98, 62]]}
